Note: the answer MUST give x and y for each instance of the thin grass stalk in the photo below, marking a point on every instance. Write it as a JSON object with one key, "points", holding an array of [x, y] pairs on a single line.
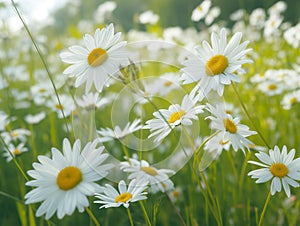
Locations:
{"points": [[43, 61]]}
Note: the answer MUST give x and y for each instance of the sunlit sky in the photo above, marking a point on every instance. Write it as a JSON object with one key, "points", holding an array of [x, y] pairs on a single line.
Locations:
{"points": [[32, 10]]}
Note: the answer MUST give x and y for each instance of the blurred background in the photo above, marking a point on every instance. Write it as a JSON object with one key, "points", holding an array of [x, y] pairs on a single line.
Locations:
{"points": [[59, 13]]}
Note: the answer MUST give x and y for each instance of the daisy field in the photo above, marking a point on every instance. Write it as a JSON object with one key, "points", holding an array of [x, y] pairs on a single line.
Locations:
{"points": [[149, 113]]}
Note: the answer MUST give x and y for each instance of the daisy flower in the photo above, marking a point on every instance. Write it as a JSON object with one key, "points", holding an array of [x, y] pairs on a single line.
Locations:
{"points": [[148, 17], [257, 18], [35, 119], [64, 181], [109, 134], [216, 145], [158, 178], [290, 99], [66, 105], [167, 119], [201, 10], [15, 150], [230, 128], [102, 56], [216, 65], [3, 120], [90, 101], [17, 134], [104, 10], [278, 167], [271, 88], [113, 198]]}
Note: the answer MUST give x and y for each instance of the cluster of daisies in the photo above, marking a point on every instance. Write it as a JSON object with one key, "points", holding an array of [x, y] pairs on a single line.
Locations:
{"points": [[64, 181]]}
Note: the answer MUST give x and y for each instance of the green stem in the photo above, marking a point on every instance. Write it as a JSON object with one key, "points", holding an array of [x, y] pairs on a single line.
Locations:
{"points": [[264, 209], [176, 210], [232, 165], [129, 216], [92, 216], [91, 126], [145, 213], [43, 61], [125, 152], [201, 146], [248, 115], [33, 146], [215, 205], [244, 170]]}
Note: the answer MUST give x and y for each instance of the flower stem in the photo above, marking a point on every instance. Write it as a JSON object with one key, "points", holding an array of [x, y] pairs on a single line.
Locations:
{"points": [[264, 209], [243, 170], [130, 217], [92, 216], [176, 210], [145, 213], [213, 200], [33, 146], [248, 115], [42, 59], [201, 146]]}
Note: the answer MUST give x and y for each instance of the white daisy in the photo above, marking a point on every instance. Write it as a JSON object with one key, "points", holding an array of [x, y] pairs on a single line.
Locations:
{"points": [[89, 101], [278, 166], [104, 10], [148, 17], [230, 128], [216, 65], [35, 119], [64, 181], [102, 56], [212, 15], [257, 18], [272, 25], [3, 120], [290, 99], [108, 134], [66, 105], [158, 178], [167, 119], [17, 135], [200, 11], [15, 150], [271, 88], [41, 92], [277, 8], [216, 145], [113, 198]]}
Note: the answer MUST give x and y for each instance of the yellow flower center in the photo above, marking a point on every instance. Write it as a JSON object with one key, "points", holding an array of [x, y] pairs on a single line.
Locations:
{"points": [[272, 87], [216, 65], [230, 126], [200, 8], [168, 83], [68, 178], [176, 116], [17, 152], [229, 112], [42, 90], [59, 107], [97, 57], [176, 194], [149, 170], [124, 197], [293, 100], [222, 142], [279, 170], [14, 134]]}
